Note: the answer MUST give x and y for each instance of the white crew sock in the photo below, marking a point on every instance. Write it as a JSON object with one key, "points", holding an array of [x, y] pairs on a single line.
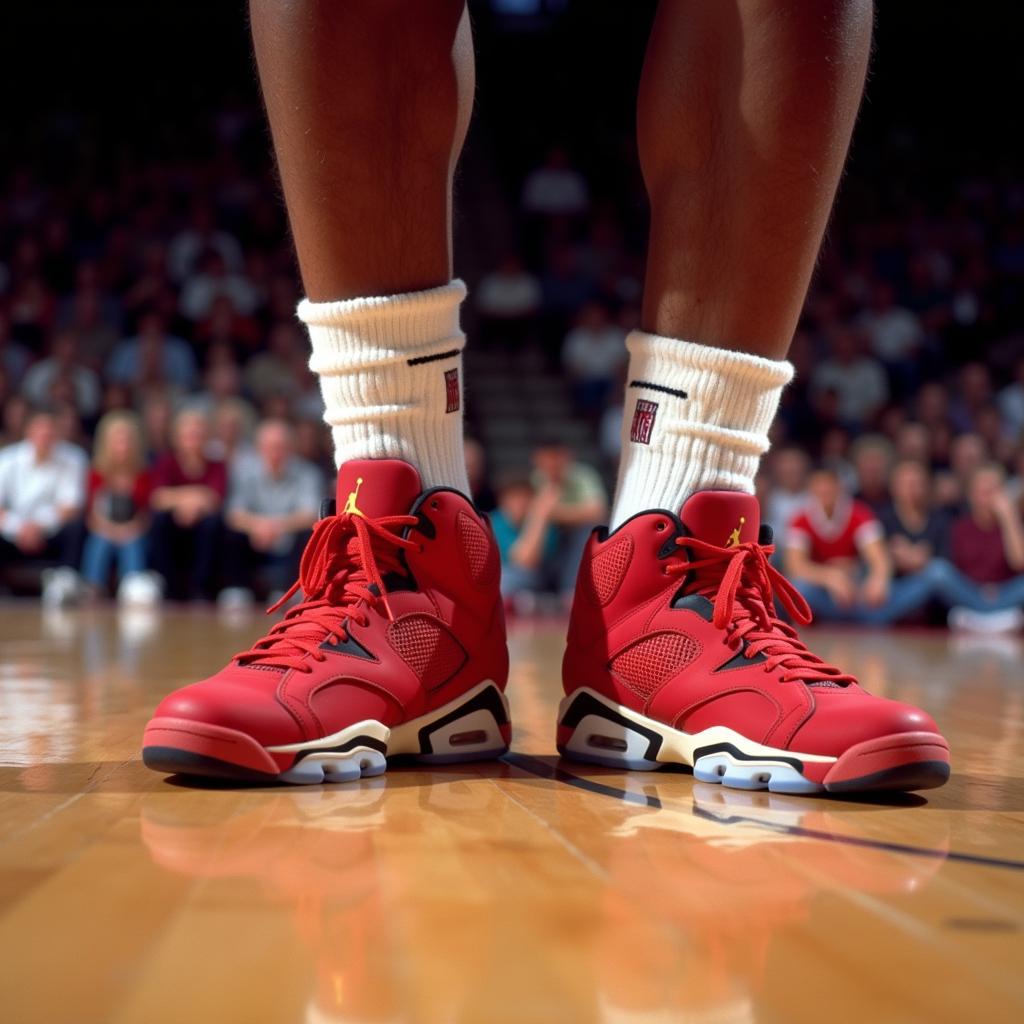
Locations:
{"points": [[695, 418], [390, 371]]}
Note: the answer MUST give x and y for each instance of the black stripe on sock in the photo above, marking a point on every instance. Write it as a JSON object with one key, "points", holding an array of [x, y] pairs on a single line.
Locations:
{"points": [[658, 387], [437, 357]]}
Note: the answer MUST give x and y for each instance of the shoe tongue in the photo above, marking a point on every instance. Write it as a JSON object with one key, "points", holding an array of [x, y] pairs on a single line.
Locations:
{"points": [[725, 518], [378, 487]]}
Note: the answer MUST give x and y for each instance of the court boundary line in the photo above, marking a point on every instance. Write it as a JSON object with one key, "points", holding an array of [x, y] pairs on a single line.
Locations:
{"points": [[540, 769]]}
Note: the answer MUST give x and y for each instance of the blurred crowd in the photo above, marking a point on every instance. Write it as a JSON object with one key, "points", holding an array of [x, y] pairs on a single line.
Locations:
{"points": [[161, 432]]}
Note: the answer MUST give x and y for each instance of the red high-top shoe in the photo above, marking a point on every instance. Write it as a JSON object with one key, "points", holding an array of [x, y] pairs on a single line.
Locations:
{"points": [[675, 655], [398, 647]]}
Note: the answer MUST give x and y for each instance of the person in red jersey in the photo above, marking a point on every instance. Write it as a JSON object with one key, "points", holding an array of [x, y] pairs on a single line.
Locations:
{"points": [[675, 649]]}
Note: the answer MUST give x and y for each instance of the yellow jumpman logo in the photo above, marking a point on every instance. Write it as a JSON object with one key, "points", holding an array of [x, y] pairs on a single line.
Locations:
{"points": [[350, 508], [734, 537]]}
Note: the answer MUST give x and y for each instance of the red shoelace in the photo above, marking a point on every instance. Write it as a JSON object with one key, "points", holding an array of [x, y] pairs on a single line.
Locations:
{"points": [[744, 586], [340, 576]]}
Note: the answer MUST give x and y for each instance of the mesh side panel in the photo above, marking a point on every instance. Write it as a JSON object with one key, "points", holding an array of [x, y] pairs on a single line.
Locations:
{"points": [[481, 554], [427, 647], [826, 684], [604, 574], [645, 665]]}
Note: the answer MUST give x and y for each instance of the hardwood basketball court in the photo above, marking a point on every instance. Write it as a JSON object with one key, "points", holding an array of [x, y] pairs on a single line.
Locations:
{"points": [[526, 890]]}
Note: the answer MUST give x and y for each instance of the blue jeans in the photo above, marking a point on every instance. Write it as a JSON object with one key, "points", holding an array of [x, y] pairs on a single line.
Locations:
{"points": [[938, 580], [954, 588], [100, 551]]}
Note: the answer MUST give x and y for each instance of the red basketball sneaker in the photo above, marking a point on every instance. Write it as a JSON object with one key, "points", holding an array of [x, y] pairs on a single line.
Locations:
{"points": [[675, 655], [398, 647]]}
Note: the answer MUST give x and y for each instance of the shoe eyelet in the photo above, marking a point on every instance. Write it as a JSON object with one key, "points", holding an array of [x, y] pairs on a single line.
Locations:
{"points": [[660, 527], [435, 504]]}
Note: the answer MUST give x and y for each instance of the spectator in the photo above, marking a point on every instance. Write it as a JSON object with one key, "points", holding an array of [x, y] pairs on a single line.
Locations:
{"points": [[233, 421], [188, 491], [62, 367], [212, 282], [857, 380], [526, 538], [153, 357], [476, 472], [582, 503], [189, 246], [555, 188], [871, 455], [593, 353], [508, 300], [1011, 401], [117, 508], [916, 532], [14, 358], [837, 556], [273, 501], [41, 499], [894, 336], [987, 547], [273, 372], [786, 495]]}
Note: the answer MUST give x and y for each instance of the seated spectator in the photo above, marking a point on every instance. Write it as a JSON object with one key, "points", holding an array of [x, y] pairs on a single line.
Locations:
{"points": [[508, 300], [593, 353], [787, 490], [915, 530], [190, 244], [63, 367], [232, 423], [526, 539], [582, 504], [857, 380], [188, 491], [837, 557], [272, 372], [42, 491], [212, 282], [871, 455], [14, 358], [1011, 401], [987, 547], [555, 188], [476, 472], [273, 500], [894, 335], [117, 507], [152, 357]]}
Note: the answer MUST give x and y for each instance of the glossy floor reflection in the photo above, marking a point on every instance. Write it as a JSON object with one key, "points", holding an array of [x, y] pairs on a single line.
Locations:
{"points": [[527, 890]]}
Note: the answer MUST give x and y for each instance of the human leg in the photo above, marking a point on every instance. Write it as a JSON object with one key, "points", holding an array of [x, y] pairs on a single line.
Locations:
{"points": [[97, 555], [369, 103], [745, 114], [744, 117]]}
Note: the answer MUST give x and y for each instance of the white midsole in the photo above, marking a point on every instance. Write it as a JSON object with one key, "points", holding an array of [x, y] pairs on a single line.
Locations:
{"points": [[679, 747], [400, 739]]}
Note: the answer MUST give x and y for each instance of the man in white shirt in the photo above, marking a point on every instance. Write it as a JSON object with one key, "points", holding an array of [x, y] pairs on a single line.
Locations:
{"points": [[273, 499], [42, 493]]}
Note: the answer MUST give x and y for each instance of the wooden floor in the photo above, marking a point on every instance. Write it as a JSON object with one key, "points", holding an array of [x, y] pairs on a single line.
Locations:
{"points": [[527, 890]]}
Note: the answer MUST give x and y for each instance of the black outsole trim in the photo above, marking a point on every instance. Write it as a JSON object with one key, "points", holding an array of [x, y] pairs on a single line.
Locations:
{"points": [[584, 704], [185, 762], [919, 775], [739, 755], [356, 741], [487, 700]]}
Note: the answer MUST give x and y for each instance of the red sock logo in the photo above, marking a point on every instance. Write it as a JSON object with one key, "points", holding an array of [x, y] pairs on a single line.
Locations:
{"points": [[451, 383], [643, 421]]}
